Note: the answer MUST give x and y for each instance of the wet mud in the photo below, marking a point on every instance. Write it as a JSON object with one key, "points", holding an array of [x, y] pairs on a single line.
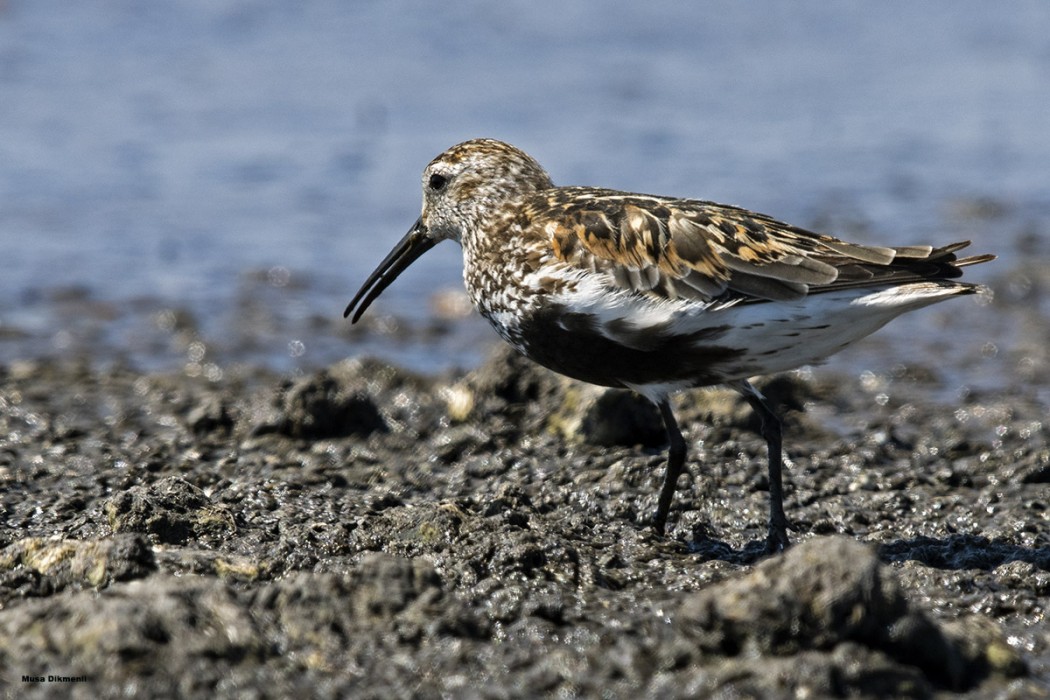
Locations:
{"points": [[364, 531]]}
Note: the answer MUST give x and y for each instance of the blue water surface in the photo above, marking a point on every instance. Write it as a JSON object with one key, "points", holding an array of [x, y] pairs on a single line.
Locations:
{"points": [[208, 181]]}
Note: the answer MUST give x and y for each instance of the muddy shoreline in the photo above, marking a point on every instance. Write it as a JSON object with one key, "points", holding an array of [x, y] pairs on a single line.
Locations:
{"points": [[367, 531]]}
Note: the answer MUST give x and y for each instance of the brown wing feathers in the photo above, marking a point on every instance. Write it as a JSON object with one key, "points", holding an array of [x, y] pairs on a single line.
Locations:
{"points": [[685, 248]]}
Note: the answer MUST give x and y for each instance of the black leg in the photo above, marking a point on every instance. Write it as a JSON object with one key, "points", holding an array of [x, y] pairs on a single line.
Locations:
{"points": [[777, 539], [675, 464]]}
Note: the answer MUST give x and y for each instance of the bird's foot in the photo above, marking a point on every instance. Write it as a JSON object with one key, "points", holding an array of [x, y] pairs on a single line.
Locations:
{"points": [[777, 539], [659, 524]]}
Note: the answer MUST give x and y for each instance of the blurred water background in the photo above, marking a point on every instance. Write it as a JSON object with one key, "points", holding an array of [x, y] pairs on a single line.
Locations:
{"points": [[194, 184]]}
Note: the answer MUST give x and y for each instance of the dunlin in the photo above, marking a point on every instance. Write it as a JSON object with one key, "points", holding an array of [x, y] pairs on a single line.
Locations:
{"points": [[658, 294]]}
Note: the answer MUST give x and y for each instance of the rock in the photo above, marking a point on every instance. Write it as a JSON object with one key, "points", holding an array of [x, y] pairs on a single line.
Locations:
{"points": [[607, 417], [209, 416], [821, 595], [321, 406], [161, 632], [507, 380], [172, 511], [68, 562]]}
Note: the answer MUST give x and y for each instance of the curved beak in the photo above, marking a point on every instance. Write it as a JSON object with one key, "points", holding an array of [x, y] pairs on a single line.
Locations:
{"points": [[415, 243]]}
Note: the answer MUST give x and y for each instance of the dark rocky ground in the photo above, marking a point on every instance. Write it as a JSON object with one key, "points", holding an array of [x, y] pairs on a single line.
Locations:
{"points": [[365, 532]]}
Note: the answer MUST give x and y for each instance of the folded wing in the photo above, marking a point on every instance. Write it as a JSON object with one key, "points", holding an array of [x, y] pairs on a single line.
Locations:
{"points": [[680, 248]]}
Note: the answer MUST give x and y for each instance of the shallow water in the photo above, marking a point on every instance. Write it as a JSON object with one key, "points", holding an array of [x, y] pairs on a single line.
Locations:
{"points": [[207, 183]]}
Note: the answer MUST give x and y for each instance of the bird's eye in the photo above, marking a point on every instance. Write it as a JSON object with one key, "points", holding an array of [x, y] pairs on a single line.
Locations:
{"points": [[437, 182]]}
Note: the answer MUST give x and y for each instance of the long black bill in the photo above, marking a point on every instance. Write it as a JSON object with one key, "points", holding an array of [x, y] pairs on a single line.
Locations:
{"points": [[415, 243]]}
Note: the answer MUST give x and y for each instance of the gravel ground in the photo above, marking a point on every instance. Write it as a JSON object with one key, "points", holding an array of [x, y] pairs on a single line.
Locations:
{"points": [[364, 531]]}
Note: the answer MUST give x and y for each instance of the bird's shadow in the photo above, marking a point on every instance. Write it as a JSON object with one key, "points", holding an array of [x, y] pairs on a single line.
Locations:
{"points": [[955, 552], [958, 552], [711, 549]]}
